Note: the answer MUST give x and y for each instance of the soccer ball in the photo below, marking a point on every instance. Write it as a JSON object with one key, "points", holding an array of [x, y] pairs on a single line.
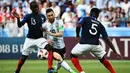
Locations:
{"points": [[42, 54]]}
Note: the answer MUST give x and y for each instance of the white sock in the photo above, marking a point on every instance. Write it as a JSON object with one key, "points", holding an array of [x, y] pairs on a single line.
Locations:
{"points": [[66, 66], [82, 72], [58, 66]]}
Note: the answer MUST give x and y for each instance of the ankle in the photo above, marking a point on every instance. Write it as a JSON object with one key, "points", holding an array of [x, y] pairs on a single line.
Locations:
{"points": [[82, 72], [17, 71]]}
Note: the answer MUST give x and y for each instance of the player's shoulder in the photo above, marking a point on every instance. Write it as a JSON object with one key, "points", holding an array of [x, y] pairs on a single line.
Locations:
{"points": [[41, 14], [58, 20], [86, 17], [99, 22], [95, 20], [28, 14], [45, 24]]}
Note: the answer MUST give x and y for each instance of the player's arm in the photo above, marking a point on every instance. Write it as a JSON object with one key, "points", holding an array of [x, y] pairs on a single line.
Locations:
{"points": [[20, 23], [77, 33], [59, 34], [78, 27], [43, 18], [108, 41], [78, 30], [60, 28]]}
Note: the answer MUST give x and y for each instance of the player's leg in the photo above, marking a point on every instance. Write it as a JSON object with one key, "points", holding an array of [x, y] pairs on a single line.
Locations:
{"points": [[43, 44], [20, 63], [62, 54], [62, 62], [25, 53], [79, 49], [50, 56], [58, 54], [99, 52], [76, 63], [107, 64], [57, 67]]}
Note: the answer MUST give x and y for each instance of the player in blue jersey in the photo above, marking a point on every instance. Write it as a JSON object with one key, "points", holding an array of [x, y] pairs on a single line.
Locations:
{"points": [[89, 41], [34, 21]]}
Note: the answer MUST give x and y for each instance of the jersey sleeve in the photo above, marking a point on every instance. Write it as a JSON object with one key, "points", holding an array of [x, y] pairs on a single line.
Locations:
{"points": [[43, 18], [44, 26], [61, 25], [44, 33], [25, 19], [21, 23], [81, 21], [103, 31]]}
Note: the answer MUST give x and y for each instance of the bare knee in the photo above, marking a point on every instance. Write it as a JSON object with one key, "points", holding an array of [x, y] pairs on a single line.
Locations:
{"points": [[57, 56]]}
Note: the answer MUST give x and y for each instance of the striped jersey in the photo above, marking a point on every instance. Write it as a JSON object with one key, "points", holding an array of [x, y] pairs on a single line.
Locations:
{"points": [[55, 27]]}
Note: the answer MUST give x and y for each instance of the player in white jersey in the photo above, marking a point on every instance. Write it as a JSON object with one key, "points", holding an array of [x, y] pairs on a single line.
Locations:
{"points": [[54, 29]]}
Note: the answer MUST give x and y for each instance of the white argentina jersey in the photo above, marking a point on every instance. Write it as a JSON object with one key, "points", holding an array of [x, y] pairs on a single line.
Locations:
{"points": [[58, 42]]}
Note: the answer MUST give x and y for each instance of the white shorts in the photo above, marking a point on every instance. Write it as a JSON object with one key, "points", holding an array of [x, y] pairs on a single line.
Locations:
{"points": [[83, 49], [30, 43]]}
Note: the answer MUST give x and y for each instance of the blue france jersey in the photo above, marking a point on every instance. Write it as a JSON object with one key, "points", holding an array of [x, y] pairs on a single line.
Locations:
{"points": [[91, 30], [34, 22]]}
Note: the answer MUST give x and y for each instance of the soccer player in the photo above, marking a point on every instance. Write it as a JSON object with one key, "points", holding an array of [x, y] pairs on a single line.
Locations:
{"points": [[35, 34], [54, 29], [89, 42]]}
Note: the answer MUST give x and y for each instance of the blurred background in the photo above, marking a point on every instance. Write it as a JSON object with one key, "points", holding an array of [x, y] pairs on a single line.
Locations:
{"points": [[114, 15]]}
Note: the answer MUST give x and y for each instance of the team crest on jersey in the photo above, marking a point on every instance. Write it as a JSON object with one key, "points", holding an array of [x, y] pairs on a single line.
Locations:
{"points": [[56, 25], [42, 19], [33, 21]]}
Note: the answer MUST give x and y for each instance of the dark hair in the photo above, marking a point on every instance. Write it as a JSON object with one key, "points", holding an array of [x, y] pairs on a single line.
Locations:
{"points": [[94, 12], [33, 4], [42, 1], [49, 10]]}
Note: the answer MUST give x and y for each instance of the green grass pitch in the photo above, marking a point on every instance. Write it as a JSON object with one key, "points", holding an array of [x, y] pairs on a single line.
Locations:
{"points": [[40, 66]]}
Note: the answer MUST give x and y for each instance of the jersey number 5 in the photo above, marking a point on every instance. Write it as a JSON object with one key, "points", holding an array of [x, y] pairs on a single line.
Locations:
{"points": [[93, 29]]}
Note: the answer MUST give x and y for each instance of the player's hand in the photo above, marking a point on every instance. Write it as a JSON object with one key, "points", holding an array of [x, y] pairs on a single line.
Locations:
{"points": [[43, 29], [49, 33], [77, 39], [49, 41], [119, 56], [15, 14]]}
